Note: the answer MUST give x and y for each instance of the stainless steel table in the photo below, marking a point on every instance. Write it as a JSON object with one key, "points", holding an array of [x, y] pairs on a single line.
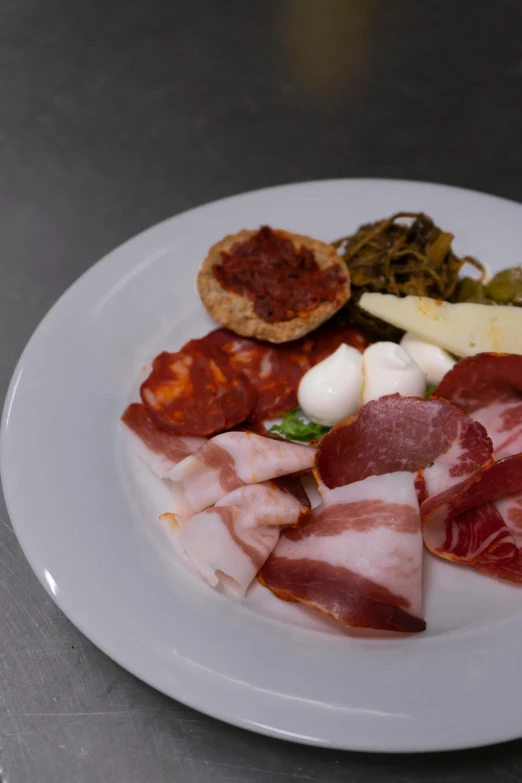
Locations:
{"points": [[116, 115]]}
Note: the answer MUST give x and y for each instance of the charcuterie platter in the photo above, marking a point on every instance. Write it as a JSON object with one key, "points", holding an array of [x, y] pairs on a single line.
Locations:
{"points": [[291, 423], [396, 464]]}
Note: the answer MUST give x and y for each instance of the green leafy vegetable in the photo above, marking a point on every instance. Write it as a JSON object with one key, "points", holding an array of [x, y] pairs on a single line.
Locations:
{"points": [[295, 426], [405, 254], [429, 390]]}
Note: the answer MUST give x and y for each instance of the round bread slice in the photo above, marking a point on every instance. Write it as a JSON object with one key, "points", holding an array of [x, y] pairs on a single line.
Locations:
{"points": [[237, 311]]}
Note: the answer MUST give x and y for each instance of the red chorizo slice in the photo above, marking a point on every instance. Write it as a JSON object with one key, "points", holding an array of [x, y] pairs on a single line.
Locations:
{"points": [[275, 371], [196, 391]]}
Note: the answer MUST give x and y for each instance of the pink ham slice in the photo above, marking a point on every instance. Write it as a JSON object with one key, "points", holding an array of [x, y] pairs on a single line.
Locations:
{"points": [[229, 542], [488, 387], [357, 556], [229, 461], [158, 449]]}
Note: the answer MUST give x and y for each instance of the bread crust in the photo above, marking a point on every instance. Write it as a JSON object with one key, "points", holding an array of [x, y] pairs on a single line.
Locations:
{"points": [[237, 312]]}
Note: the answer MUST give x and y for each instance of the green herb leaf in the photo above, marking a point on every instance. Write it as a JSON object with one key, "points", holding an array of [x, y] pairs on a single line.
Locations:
{"points": [[295, 426], [429, 390]]}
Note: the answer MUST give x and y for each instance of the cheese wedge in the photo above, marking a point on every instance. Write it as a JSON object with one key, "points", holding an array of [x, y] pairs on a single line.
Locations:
{"points": [[462, 329]]}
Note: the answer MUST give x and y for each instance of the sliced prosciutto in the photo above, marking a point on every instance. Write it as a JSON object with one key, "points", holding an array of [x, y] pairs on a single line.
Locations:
{"points": [[229, 542], [158, 449], [229, 461], [357, 556], [488, 387]]}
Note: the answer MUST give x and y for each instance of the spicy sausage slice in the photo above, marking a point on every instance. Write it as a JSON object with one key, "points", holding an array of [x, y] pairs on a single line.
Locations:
{"points": [[196, 391], [275, 371]]}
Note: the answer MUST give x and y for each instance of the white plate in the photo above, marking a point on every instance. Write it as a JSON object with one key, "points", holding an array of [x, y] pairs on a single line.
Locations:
{"points": [[78, 506]]}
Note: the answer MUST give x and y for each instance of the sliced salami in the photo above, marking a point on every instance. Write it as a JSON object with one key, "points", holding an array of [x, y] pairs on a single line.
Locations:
{"points": [[274, 371], [196, 391]]}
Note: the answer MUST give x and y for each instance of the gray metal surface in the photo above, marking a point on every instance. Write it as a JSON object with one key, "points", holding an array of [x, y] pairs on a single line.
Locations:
{"points": [[116, 115]]}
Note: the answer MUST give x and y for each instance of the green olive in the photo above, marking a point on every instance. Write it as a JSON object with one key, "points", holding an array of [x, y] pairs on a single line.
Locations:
{"points": [[506, 287], [469, 290]]}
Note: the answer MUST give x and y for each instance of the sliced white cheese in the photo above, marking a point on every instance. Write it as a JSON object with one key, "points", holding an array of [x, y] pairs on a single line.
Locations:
{"points": [[463, 329]]}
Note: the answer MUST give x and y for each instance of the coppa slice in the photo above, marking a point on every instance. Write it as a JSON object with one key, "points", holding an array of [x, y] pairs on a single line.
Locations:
{"points": [[510, 506], [410, 434], [229, 542], [357, 556], [488, 387], [196, 391], [229, 461], [159, 450], [481, 526], [478, 524], [274, 371]]}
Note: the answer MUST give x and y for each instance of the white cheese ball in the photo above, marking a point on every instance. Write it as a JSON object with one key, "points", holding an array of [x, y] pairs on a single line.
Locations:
{"points": [[331, 390], [388, 369]]}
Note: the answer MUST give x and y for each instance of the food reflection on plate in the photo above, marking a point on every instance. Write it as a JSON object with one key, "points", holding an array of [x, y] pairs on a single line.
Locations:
{"points": [[371, 364]]}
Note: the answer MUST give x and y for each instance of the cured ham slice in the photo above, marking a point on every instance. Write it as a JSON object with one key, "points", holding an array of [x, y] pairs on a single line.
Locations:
{"points": [[357, 556], [488, 387], [482, 526], [501, 479], [463, 518], [479, 523], [274, 371], [229, 461], [159, 450], [230, 541], [510, 509], [410, 434], [477, 537]]}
